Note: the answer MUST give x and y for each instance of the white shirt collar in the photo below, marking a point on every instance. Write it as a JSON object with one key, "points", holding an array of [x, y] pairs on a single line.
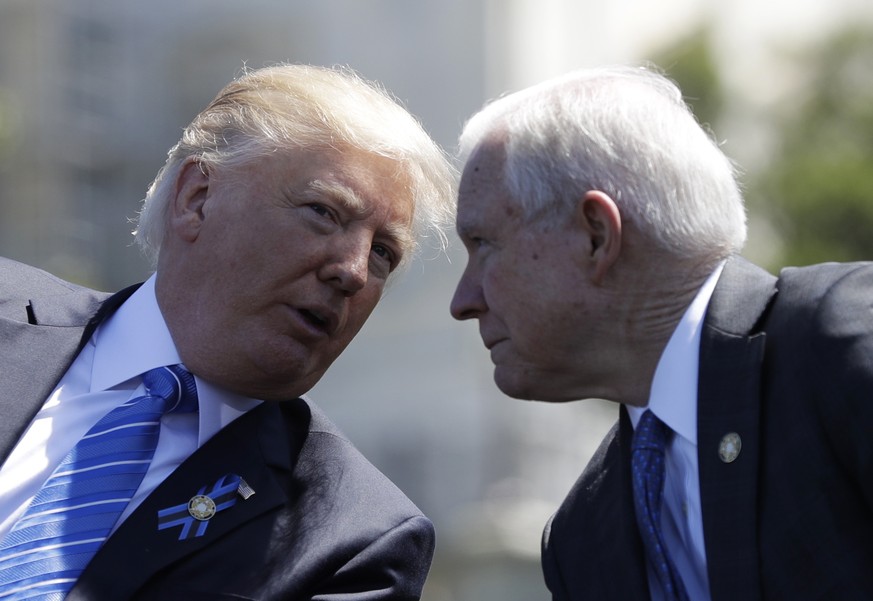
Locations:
{"points": [[673, 396], [136, 339], [132, 341]]}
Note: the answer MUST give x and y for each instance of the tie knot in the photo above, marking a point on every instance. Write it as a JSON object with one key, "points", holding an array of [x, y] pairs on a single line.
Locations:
{"points": [[650, 433], [175, 384]]}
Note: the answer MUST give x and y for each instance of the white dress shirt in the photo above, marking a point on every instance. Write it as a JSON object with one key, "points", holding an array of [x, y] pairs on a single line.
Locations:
{"points": [[104, 375], [673, 399]]}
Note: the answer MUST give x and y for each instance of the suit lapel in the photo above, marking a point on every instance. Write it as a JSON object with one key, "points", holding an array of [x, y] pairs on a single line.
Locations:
{"points": [[255, 447], [635, 579], [594, 550], [731, 354]]}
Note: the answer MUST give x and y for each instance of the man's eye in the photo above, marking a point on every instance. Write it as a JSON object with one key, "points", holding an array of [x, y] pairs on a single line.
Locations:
{"points": [[384, 253], [321, 210]]}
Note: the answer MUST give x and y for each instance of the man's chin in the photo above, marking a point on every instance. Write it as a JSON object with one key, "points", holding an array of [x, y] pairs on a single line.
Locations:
{"points": [[527, 386], [512, 384], [279, 378]]}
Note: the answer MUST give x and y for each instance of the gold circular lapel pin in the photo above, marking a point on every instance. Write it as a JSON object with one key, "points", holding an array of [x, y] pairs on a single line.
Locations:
{"points": [[201, 507]]}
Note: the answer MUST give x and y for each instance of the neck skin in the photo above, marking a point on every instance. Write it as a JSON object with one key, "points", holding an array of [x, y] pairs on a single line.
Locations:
{"points": [[647, 292]]}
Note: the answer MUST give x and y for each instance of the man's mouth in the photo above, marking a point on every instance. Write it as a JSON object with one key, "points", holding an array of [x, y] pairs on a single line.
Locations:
{"points": [[315, 318]]}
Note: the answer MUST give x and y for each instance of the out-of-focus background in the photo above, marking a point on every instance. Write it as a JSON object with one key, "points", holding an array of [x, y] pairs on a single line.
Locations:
{"points": [[94, 92]]}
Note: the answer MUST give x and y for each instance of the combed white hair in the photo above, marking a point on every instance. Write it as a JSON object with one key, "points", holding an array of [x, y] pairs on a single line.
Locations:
{"points": [[627, 132]]}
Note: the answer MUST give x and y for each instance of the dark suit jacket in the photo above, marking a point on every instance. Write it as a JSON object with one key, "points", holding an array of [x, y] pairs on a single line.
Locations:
{"points": [[323, 523], [788, 365]]}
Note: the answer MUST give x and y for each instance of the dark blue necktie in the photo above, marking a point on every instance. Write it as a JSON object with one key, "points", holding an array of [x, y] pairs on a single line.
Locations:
{"points": [[75, 510], [647, 464]]}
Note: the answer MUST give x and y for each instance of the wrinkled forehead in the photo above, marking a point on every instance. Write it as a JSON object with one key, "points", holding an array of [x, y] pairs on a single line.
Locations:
{"points": [[367, 185], [373, 182], [381, 186]]}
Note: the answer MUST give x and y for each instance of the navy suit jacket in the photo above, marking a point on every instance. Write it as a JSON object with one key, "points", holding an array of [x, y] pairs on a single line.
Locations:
{"points": [[323, 522], [788, 365]]}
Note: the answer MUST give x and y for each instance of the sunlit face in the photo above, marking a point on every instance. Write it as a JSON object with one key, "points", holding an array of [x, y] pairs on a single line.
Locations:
{"points": [[275, 266], [525, 283]]}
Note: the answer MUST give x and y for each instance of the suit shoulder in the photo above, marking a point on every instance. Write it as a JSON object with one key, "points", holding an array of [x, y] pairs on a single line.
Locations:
{"points": [[22, 285], [823, 295], [827, 308], [348, 472], [15, 276], [813, 282]]}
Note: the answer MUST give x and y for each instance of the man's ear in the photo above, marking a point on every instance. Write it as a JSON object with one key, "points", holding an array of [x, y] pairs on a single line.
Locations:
{"points": [[599, 216], [186, 207]]}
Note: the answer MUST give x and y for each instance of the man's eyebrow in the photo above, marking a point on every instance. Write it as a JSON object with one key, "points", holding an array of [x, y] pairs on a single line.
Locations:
{"points": [[397, 233], [342, 194], [400, 235]]}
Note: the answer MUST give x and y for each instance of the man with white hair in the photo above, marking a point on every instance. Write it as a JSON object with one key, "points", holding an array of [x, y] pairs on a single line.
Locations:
{"points": [[156, 443], [603, 228]]}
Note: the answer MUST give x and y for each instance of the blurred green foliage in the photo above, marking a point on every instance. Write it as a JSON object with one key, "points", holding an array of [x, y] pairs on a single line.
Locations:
{"points": [[692, 64], [816, 188]]}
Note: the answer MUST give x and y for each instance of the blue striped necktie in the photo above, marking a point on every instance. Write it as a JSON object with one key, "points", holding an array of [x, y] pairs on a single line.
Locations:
{"points": [[647, 467], [75, 510]]}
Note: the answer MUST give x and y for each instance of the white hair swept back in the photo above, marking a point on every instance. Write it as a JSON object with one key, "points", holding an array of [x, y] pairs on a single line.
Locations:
{"points": [[627, 132]]}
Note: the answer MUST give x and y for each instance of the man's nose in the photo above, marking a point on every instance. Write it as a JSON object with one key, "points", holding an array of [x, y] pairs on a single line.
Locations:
{"points": [[348, 266], [468, 301]]}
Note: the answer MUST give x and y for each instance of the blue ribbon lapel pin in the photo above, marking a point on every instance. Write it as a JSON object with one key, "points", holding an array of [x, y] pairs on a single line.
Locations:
{"points": [[194, 515]]}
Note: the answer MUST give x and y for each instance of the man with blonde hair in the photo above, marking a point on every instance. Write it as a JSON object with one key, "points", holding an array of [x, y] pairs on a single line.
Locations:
{"points": [[603, 228], [156, 443]]}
